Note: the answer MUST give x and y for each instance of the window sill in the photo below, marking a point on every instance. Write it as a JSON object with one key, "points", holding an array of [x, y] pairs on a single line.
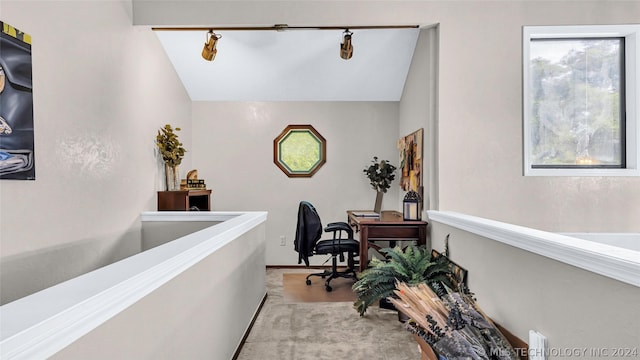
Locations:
{"points": [[581, 172]]}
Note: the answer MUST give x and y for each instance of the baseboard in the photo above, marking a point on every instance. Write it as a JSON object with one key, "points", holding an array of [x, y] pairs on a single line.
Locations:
{"points": [[519, 345], [298, 267], [246, 333]]}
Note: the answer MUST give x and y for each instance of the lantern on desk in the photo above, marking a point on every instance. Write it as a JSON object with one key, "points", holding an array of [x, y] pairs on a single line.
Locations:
{"points": [[412, 206]]}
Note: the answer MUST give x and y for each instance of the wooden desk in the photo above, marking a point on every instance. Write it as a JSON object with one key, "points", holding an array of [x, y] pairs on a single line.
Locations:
{"points": [[388, 227]]}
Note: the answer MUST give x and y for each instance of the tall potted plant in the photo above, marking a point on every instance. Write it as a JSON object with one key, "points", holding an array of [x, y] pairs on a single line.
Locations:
{"points": [[172, 152], [380, 175], [413, 266]]}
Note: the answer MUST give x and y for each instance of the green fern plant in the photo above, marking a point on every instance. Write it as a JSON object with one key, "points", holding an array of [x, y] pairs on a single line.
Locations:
{"points": [[414, 265]]}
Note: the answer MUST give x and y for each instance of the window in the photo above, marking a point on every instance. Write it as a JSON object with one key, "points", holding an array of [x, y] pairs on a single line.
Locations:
{"points": [[581, 100], [299, 151]]}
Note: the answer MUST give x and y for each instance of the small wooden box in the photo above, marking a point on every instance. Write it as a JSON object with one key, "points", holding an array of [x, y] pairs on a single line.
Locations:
{"points": [[184, 200]]}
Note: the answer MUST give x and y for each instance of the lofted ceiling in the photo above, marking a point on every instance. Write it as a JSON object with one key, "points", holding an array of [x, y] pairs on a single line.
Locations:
{"points": [[293, 65]]}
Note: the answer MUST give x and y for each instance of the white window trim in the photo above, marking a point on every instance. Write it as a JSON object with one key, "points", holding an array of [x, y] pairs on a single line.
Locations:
{"points": [[631, 33]]}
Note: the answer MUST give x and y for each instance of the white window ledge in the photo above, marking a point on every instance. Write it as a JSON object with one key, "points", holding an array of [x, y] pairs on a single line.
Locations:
{"points": [[607, 260], [582, 172]]}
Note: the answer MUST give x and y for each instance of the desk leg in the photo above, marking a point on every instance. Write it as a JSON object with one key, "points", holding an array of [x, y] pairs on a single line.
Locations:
{"points": [[422, 235], [364, 247]]}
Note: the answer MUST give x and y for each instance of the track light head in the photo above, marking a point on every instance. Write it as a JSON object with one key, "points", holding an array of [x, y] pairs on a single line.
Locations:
{"points": [[209, 51], [346, 48]]}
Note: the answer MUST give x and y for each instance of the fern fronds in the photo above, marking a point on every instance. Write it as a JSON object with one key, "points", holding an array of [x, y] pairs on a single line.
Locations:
{"points": [[412, 266]]}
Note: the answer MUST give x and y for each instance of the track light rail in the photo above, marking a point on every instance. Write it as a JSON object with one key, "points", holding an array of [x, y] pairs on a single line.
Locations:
{"points": [[209, 50], [283, 27]]}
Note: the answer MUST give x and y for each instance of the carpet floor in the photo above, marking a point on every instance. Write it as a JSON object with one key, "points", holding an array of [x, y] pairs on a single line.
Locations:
{"points": [[323, 330]]}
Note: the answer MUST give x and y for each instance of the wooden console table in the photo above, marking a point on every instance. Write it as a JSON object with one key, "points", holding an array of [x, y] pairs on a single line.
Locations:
{"points": [[183, 200], [388, 227]]}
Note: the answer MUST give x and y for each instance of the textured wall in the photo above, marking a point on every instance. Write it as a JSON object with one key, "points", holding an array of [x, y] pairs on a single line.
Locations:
{"points": [[418, 109], [101, 90], [572, 307], [480, 122], [101, 84], [233, 152], [202, 313], [479, 99]]}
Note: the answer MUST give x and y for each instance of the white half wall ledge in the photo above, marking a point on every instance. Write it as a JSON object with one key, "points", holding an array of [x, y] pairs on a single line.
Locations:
{"points": [[162, 216], [617, 263], [42, 324]]}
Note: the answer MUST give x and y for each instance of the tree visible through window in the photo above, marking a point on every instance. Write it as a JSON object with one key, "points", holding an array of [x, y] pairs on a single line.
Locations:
{"points": [[576, 90]]}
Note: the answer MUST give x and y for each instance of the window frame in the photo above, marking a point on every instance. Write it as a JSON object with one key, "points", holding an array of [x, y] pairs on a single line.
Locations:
{"points": [[279, 154], [631, 93]]}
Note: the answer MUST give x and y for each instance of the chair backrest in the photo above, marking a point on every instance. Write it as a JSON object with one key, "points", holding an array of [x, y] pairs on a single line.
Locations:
{"points": [[308, 231]]}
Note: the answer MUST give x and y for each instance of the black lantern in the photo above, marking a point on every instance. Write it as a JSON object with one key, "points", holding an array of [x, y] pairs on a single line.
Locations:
{"points": [[412, 206]]}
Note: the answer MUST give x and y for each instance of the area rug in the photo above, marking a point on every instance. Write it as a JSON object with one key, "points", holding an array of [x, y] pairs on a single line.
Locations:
{"points": [[295, 289], [323, 330]]}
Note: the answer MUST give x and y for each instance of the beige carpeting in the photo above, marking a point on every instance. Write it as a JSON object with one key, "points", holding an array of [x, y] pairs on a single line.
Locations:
{"points": [[323, 330], [296, 290]]}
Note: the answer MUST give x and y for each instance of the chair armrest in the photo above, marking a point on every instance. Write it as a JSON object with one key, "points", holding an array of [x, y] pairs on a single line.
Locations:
{"points": [[334, 226], [339, 226]]}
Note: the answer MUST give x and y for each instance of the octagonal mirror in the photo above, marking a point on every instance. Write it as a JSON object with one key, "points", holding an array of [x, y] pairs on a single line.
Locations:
{"points": [[299, 151]]}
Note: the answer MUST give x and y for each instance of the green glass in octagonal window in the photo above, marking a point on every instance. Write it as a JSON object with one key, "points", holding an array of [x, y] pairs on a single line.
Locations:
{"points": [[299, 151]]}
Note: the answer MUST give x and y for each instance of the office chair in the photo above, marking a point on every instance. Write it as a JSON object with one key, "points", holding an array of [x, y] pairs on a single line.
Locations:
{"points": [[307, 243]]}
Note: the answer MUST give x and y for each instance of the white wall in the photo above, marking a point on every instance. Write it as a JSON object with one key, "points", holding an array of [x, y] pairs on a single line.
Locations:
{"points": [[574, 308], [116, 94], [418, 109], [480, 123], [479, 99], [211, 305], [233, 152], [101, 90]]}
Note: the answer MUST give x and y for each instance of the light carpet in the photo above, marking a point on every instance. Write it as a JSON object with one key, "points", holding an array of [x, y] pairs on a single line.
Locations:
{"points": [[324, 330]]}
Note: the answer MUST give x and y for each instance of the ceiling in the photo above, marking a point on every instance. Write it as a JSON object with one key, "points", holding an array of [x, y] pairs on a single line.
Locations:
{"points": [[293, 65]]}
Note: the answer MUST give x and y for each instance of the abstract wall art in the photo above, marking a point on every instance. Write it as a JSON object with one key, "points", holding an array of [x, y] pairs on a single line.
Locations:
{"points": [[410, 148]]}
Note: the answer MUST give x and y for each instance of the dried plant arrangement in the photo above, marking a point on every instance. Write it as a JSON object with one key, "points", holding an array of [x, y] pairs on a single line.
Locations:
{"points": [[453, 324], [170, 147]]}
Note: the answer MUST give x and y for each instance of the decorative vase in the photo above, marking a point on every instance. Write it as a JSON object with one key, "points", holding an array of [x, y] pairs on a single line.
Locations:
{"points": [[172, 176], [378, 204]]}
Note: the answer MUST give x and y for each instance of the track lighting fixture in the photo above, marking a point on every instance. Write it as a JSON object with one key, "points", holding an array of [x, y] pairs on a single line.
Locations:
{"points": [[346, 48], [209, 51]]}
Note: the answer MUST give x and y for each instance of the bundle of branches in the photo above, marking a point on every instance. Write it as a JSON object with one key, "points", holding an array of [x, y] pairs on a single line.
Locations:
{"points": [[453, 325]]}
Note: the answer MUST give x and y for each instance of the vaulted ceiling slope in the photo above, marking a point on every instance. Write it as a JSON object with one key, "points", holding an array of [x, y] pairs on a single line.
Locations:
{"points": [[293, 65]]}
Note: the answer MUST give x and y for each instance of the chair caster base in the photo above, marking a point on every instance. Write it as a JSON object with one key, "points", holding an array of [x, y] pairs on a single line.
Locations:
{"points": [[333, 274]]}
